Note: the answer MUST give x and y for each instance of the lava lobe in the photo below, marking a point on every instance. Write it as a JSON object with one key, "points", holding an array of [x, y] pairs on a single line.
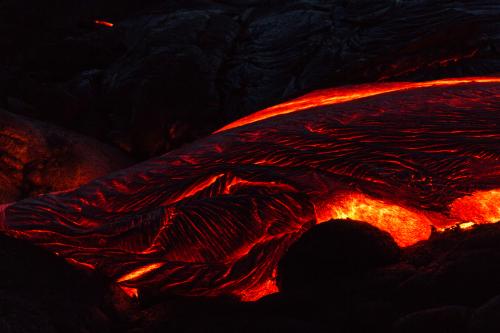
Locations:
{"points": [[215, 217]]}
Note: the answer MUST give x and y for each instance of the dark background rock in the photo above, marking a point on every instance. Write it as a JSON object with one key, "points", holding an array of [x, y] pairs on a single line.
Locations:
{"points": [[448, 319], [459, 268], [486, 318], [169, 72], [42, 293], [333, 250]]}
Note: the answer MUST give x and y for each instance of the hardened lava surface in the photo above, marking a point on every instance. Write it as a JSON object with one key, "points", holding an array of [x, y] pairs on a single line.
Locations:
{"points": [[216, 216]]}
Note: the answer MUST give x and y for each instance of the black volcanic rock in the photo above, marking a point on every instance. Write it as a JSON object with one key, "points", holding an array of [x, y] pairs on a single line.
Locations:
{"points": [[486, 318], [169, 72], [335, 249], [447, 319], [40, 292], [457, 267], [461, 268]]}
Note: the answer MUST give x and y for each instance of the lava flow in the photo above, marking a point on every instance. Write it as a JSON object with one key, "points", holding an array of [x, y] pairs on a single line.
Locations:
{"points": [[216, 216]]}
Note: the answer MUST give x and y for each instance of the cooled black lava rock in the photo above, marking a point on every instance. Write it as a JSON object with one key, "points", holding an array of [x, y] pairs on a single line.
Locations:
{"points": [[41, 293], [447, 319], [335, 249], [486, 319], [455, 267]]}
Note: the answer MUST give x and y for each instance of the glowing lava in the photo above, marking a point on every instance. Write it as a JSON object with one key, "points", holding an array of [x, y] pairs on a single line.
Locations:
{"points": [[406, 225], [137, 273], [479, 207], [216, 216], [345, 94], [104, 23]]}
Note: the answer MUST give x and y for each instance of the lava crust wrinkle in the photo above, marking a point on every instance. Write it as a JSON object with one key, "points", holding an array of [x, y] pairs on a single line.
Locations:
{"points": [[215, 216]]}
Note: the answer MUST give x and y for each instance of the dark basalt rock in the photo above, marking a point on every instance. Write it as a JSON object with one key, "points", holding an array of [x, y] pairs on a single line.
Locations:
{"points": [[464, 277], [486, 318], [42, 293], [172, 72], [454, 268], [333, 250], [37, 158], [448, 319]]}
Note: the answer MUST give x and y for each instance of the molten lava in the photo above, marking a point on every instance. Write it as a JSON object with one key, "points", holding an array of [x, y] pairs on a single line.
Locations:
{"points": [[406, 225], [216, 216], [479, 207]]}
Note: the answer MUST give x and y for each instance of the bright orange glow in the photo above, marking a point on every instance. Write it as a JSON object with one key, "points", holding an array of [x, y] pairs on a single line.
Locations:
{"points": [[408, 226], [345, 94], [140, 272], [466, 225], [131, 292], [405, 225], [479, 207], [104, 23]]}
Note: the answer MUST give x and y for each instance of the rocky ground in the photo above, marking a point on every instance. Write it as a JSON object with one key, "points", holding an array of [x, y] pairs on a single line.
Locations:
{"points": [[341, 276]]}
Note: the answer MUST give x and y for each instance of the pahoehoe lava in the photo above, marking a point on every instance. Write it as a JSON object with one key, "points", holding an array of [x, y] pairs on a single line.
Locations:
{"points": [[215, 217]]}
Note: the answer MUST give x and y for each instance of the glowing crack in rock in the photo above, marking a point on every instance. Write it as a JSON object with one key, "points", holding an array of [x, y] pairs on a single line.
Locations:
{"points": [[104, 23], [216, 216]]}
